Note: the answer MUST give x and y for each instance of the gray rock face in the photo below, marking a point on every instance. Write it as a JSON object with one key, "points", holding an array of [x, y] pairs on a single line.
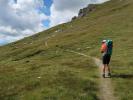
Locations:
{"points": [[85, 11], [74, 18]]}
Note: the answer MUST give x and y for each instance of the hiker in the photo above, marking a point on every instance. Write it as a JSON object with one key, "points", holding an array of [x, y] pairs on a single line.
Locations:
{"points": [[106, 50]]}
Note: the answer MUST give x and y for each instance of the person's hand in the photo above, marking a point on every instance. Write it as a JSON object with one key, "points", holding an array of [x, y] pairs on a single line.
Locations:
{"points": [[101, 51]]}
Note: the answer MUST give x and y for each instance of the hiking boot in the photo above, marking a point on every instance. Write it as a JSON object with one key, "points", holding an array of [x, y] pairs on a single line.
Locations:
{"points": [[103, 75], [109, 74]]}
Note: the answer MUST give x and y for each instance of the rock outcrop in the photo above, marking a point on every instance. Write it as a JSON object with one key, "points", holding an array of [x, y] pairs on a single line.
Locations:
{"points": [[85, 11]]}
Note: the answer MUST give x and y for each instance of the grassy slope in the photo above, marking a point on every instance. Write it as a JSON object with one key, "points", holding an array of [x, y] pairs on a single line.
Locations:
{"points": [[66, 76]]}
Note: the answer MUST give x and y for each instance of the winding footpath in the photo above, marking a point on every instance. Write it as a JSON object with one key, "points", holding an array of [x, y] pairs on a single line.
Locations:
{"points": [[105, 86], [106, 89]]}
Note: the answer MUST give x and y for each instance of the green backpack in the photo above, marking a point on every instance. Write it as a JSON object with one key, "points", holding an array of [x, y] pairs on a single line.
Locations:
{"points": [[109, 46]]}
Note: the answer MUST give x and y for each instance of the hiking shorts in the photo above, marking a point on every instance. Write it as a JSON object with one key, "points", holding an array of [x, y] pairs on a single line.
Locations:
{"points": [[106, 59]]}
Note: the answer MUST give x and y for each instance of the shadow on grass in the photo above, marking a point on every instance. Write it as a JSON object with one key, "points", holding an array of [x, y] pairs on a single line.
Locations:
{"points": [[128, 76]]}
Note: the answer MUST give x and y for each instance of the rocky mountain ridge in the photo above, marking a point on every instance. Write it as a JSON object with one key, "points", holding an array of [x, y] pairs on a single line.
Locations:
{"points": [[83, 12]]}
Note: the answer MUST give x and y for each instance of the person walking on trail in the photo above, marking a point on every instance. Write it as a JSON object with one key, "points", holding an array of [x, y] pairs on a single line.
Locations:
{"points": [[106, 50]]}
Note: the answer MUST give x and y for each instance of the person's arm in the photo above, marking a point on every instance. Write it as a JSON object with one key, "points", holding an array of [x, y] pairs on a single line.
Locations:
{"points": [[103, 48]]}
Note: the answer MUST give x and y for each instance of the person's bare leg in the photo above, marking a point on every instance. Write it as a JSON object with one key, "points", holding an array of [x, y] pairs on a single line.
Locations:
{"points": [[108, 68], [109, 72], [104, 68]]}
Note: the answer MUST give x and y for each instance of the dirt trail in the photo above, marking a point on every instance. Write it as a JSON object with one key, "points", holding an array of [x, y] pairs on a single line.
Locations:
{"points": [[106, 89]]}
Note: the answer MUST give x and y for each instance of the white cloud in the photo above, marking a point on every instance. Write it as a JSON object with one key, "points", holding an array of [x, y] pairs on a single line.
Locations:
{"points": [[7, 30], [20, 19], [63, 10]]}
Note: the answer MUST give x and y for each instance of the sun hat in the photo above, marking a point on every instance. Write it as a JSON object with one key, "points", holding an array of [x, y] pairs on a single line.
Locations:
{"points": [[103, 41]]}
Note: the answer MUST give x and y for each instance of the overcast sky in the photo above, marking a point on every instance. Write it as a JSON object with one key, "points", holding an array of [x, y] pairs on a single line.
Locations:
{"points": [[22, 18]]}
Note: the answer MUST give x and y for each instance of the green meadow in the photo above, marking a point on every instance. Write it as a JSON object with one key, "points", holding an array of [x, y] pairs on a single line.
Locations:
{"points": [[41, 67]]}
